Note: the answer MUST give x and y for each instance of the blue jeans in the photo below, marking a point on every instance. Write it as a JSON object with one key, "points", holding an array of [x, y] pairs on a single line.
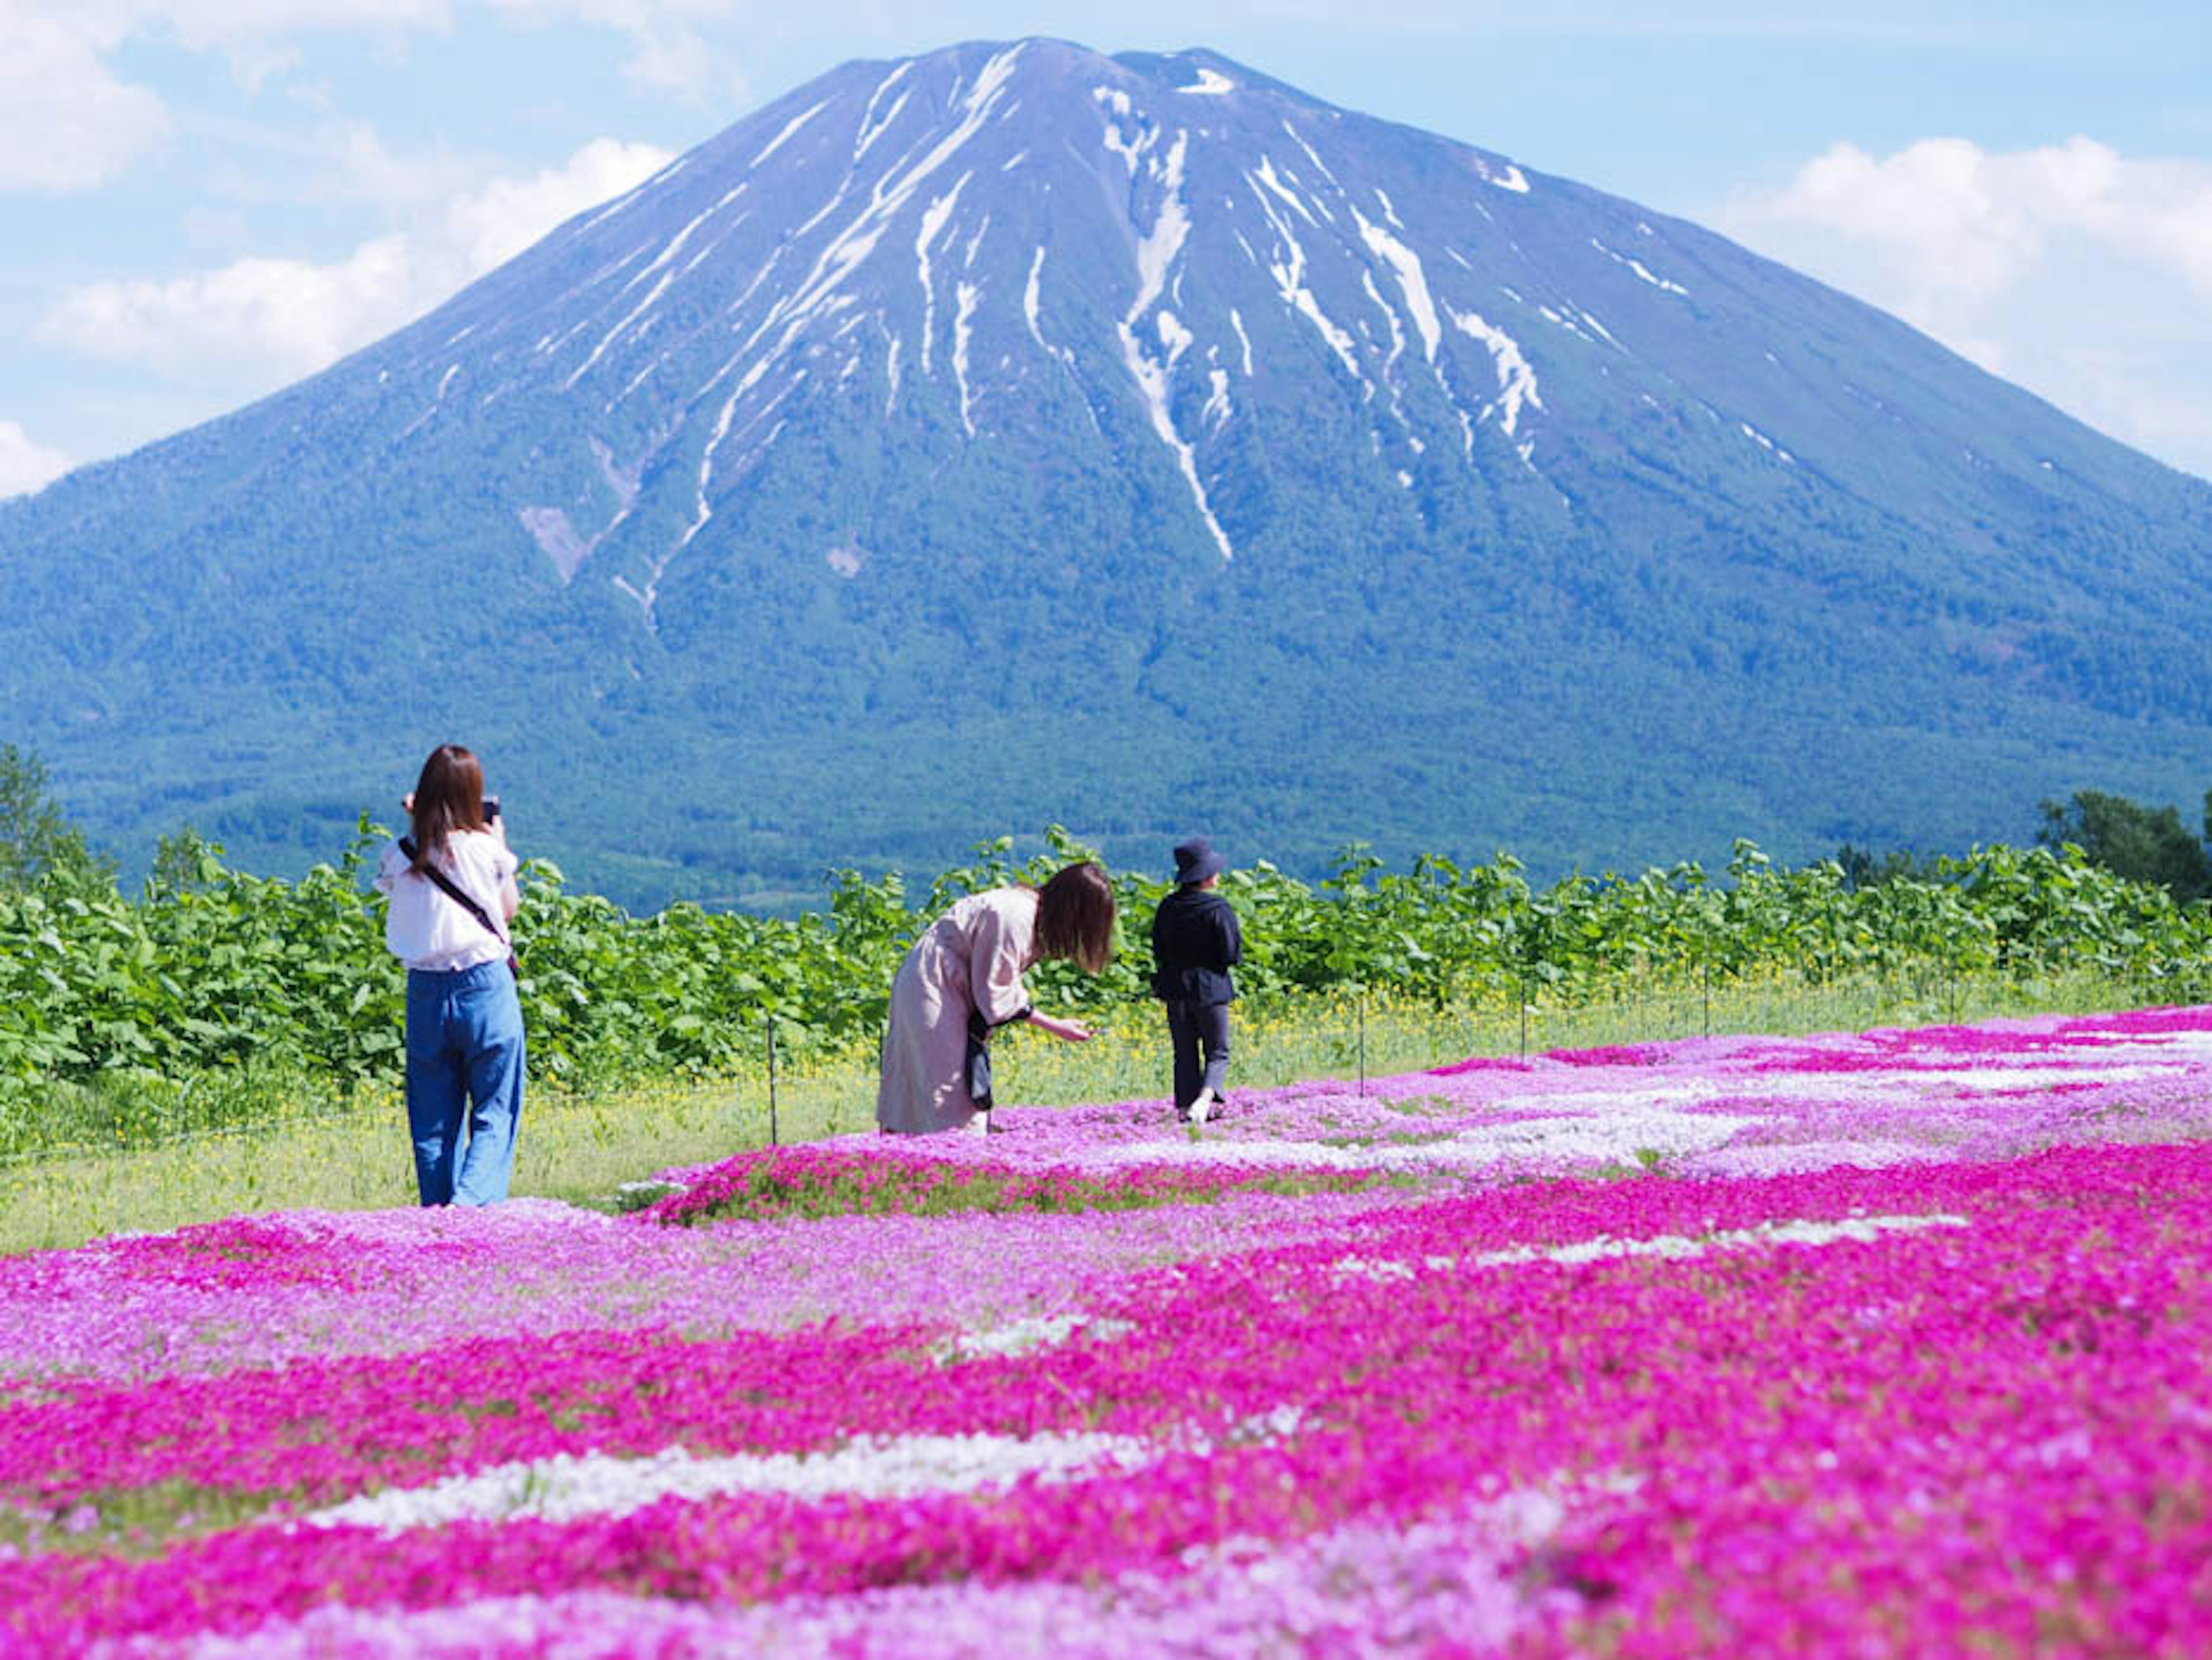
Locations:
{"points": [[463, 1049]]}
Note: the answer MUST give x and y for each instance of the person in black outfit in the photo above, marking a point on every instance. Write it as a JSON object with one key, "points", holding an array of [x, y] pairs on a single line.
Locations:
{"points": [[1195, 942]]}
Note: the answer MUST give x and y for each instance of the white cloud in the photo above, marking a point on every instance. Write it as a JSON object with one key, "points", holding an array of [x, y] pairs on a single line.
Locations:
{"points": [[491, 225], [24, 464], [66, 122], [257, 322], [221, 23], [669, 51], [231, 24], [2083, 274], [69, 121], [287, 316], [678, 62], [357, 166]]}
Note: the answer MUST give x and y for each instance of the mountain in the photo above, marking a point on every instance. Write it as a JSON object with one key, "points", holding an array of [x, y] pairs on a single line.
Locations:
{"points": [[1016, 435]]}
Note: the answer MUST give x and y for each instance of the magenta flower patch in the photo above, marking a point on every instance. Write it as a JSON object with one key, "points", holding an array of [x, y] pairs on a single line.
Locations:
{"points": [[1886, 1343]]}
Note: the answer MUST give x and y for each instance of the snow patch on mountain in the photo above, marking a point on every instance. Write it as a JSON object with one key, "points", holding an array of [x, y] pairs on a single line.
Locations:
{"points": [[872, 129], [1033, 302], [1637, 268], [660, 261], [1406, 264], [1164, 242], [1216, 409], [962, 326], [933, 220], [1288, 268], [789, 128], [1157, 248], [437, 401], [1151, 381], [550, 529], [1268, 177], [1517, 380], [1129, 148], [1312, 154], [1767, 443], [1509, 177]]}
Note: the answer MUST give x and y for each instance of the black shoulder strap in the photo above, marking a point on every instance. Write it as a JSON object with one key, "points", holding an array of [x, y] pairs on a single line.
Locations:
{"points": [[452, 892]]}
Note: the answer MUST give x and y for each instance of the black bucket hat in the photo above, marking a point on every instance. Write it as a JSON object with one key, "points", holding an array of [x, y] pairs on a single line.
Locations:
{"points": [[1195, 861]]}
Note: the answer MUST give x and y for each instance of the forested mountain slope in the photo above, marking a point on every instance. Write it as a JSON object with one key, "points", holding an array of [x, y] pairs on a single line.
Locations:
{"points": [[1015, 433]]}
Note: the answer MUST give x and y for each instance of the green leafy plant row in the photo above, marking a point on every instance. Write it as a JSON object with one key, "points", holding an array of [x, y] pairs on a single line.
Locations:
{"points": [[213, 969]]}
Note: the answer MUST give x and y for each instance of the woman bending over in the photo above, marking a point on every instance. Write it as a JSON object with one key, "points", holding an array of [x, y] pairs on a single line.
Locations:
{"points": [[966, 971]]}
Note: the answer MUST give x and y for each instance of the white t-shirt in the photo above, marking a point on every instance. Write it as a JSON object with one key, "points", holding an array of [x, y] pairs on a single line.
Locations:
{"points": [[424, 926]]}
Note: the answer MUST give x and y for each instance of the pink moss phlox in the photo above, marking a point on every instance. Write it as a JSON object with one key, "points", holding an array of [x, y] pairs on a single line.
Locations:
{"points": [[1613, 1055], [1479, 1063], [72, 1318], [1766, 1450], [882, 1177], [1443, 1587], [237, 1254], [1952, 1403]]}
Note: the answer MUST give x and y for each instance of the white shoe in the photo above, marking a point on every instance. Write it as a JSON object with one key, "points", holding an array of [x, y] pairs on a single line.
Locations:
{"points": [[1199, 1109], [979, 1122]]}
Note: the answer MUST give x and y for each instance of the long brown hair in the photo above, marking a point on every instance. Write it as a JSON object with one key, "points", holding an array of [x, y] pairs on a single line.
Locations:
{"points": [[448, 796], [1075, 917]]}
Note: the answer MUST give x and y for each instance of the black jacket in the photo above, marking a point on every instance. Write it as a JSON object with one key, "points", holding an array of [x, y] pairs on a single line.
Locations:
{"points": [[1195, 942]]}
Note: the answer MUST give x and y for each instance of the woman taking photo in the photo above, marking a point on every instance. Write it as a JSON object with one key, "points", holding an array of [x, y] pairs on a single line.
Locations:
{"points": [[451, 884], [963, 978]]}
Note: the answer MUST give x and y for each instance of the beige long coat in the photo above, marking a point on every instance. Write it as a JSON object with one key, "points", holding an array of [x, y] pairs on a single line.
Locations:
{"points": [[972, 957]]}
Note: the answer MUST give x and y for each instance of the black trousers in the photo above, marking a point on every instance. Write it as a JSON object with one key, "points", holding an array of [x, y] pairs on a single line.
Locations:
{"points": [[1200, 1033]]}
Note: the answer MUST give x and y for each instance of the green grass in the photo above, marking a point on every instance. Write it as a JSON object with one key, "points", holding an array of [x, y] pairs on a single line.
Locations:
{"points": [[583, 1148], [577, 1148], [131, 1522], [770, 1192]]}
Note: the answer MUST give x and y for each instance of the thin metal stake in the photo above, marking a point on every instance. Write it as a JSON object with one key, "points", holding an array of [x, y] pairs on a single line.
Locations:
{"points": [[771, 1140]]}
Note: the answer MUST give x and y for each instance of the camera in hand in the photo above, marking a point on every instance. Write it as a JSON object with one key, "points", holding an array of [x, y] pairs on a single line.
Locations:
{"points": [[491, 808]]}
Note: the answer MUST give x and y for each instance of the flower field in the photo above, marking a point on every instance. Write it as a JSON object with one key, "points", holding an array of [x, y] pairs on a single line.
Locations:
{"points": [[1884, 1343]]}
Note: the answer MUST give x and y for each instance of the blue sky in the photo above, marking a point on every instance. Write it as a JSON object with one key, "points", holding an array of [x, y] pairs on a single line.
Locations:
{"points": [[202, 202]]}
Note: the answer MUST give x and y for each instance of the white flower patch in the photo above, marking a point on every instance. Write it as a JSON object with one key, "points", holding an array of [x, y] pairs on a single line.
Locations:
{"points": [[566, 1487], [1789, 1158], [1026, 1336], [1616, 1136], [1279, 1425], [2191, 1045], [1380, 1267], [1863, 1229], [1257, 1154], [1661, 1097], [1983, 1081], [1901, 1083]]}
